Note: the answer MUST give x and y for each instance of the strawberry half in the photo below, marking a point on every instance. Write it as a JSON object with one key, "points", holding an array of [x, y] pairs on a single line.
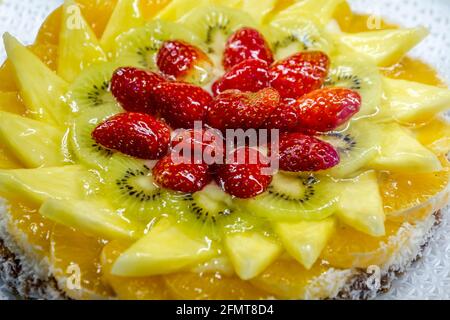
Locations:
{"points": [[246, 43], [135, 134], [299, 74], [283, 118], [326, 109], [249, 75], [299, 153], [199, 144], [133, 88], [242, 110], [178, 174], [181, 104], [182, 61], [243, 175]]}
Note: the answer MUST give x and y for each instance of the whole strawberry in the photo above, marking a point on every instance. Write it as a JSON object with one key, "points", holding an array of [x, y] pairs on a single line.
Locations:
{"points": [[300, 73], [133, 88], [200, 144], [244, 174], [181, 104], [249, 75], [299, 152], [179, 174], [135, 134], [246, 43], [326, 109], [242, 110], [182, 61]]}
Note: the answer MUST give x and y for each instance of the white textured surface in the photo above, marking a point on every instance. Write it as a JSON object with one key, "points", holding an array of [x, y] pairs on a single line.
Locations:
{"points": [[430, 277]]}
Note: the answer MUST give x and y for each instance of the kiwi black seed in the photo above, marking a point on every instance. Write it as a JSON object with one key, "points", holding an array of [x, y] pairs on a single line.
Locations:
{"points": [[351, 81]]}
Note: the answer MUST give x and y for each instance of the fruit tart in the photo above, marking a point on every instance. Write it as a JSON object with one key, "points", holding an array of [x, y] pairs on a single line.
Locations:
{"points": [[118, 178]]}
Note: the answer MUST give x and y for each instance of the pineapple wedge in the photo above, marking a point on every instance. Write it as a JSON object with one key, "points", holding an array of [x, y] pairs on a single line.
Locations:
{"points": [[126, 16], [251, 253], [384, 47], [176, 9], [78, 45], [258, 9], [305, 240], [11, 102], [34, 143], [41, 89], [413, 102], [165, 249], [319, 10], [38, 185], [360, 205], [401, 152], [95, 218]]}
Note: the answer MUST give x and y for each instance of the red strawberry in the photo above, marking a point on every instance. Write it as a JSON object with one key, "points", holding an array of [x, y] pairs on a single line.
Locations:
{"points": [[283, 118], [242, 110], [200, 144], [244, 175], [249, 75], [181, 104], [178, 174], [133, 88], [184, 62], [326, 109], [299, 74], [246, 43], [135, 134], [299, 152]]}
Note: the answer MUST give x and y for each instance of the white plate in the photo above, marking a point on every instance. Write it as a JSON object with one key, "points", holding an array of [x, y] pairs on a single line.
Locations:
{"points": [[429, 278]]}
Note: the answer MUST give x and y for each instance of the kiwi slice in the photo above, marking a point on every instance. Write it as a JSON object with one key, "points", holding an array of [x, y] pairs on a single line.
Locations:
{"points": [[210, 212], [359, 75], [85, 148], [294, 198], [289, 36], [357, 145], [131, 189], [214, 24], [139, 47], [92, 88]]}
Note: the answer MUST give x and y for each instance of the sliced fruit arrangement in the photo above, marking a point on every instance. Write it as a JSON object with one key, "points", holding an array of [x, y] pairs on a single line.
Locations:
{"points": [[142, 221]]}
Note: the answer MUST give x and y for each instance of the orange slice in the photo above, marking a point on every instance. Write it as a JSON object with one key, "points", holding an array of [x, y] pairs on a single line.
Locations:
{"points": [[27, 222], [148, 288], [75, 258], [193, 286], [352, 249], [408, 197], [435, 135], [287, 279]]}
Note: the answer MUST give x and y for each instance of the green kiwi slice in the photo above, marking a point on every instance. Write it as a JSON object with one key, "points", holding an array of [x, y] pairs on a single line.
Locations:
{"points": [[92, 88], [289, 36], [139, 47], [214, 24], [357, 145], [210, 212], [294, 198], [85, 148], [359, 75], [131, 189]]}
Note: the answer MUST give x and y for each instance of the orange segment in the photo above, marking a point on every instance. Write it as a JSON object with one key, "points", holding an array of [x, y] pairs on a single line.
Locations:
{"points": [[27, 221], [413, 70], [75, 259], [287, 279], [97, 13], [193, 286], [149, 288], [350, 248], [419, 192], [49, 31]]}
